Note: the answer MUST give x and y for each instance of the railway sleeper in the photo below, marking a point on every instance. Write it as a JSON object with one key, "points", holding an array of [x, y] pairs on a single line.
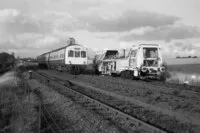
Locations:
{"points": [[130, 121]]}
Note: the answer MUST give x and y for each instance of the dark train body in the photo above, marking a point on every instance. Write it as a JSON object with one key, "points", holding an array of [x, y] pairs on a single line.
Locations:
{"points": [[7, 61]]}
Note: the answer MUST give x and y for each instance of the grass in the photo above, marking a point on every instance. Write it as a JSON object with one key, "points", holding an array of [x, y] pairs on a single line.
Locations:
{"points": [[26, 67], [15, 108]]}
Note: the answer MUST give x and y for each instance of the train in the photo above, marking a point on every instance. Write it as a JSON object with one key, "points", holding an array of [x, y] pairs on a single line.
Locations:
{"points": [[7, 61], [142, 61], [71, 58]]}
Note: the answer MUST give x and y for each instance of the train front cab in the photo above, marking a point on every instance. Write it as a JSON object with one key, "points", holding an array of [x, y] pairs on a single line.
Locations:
{"points": [[76, 57]]}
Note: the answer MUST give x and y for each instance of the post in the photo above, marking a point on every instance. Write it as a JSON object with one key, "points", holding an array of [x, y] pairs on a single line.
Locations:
{"points": [[39, 118], [30, 74]]}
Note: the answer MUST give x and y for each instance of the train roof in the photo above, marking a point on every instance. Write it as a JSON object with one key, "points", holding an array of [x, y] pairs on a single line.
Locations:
{"points": [[145, 45], [149, 44], [64, 47], [61, 48]]}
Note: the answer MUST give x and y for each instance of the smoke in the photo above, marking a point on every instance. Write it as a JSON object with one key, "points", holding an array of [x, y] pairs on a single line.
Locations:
{"points": [[184, 78]]}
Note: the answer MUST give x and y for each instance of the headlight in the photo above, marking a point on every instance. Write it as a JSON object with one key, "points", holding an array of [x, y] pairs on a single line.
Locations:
{"points": [[162, 69], [144, 69]]}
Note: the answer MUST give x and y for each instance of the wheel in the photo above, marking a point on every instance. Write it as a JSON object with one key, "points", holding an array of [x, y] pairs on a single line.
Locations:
{"points": [[122, 74], [128, 74], [60, 68], [163, 77], [136, 77]]}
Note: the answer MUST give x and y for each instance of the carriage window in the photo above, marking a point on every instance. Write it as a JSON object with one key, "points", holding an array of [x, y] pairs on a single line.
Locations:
{"points": [[77, 53], [71, 53], [61, 55], [83, 54]]}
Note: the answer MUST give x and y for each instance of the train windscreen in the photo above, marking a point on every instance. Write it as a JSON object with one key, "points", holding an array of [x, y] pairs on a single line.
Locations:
{"points": [[150, 52], [83, 54]]}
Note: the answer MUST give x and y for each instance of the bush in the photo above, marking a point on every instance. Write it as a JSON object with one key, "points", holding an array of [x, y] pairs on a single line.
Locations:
{"points": [[23, 68]]}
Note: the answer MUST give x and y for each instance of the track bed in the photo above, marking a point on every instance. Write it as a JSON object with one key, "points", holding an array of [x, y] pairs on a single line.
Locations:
{"points": [[124, 96], [69, 114]]}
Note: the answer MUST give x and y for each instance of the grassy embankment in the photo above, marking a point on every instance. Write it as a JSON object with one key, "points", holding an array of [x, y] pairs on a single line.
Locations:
{"points": [[17, 107]]}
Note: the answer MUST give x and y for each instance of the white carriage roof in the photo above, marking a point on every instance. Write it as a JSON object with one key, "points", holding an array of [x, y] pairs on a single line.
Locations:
{"points": [[64, 47], [60, 48], [149, 45]]}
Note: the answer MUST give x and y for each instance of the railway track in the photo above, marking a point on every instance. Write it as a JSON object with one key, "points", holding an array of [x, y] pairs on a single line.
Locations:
{"points": [[129, 121], [48, 120], [180, 106]]}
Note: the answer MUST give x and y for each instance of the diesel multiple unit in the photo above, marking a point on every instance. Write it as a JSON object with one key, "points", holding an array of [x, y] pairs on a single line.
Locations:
{"points": [[64, 58]]}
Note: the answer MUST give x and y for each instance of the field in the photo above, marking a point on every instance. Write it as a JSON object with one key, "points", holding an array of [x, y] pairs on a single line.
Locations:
{"points": [[167, 103], [182, 61], [28, 106], [186, 68], [172, 107]]}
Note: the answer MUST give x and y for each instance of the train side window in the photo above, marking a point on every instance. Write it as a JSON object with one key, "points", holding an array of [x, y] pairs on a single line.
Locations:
{"points": [[83, 54], [77, 53], [70, 53]]}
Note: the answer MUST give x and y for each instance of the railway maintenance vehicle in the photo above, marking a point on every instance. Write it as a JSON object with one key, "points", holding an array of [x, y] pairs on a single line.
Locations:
{"points": [[141, 62]]}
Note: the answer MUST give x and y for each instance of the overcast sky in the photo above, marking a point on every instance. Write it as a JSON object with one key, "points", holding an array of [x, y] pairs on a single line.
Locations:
{"points": [[31, 27]]}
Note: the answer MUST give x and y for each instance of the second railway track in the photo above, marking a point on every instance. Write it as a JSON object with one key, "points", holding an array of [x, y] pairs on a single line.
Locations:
{"points": [[130, 121]]}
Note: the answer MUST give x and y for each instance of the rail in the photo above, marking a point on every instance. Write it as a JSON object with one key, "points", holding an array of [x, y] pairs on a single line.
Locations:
{"points": [[130, 121]]}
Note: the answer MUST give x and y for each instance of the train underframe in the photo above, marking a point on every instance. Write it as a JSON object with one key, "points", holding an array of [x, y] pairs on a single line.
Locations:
{"points": [[136, 75], [73, 69], [143, 73]]}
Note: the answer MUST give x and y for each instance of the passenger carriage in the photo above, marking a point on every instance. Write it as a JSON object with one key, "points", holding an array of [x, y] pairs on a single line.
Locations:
{"points": [[64, 58]]}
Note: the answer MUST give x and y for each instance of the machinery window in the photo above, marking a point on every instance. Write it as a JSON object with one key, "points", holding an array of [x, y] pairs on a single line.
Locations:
{"points": [[133, 53], [150, 52], [83, 54], [70, 53], [77, 53]]}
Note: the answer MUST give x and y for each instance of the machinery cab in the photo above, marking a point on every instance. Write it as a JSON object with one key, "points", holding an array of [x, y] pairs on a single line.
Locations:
{"points": [[105, 62], [140, 61], [150, 62], [144, 60]]}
